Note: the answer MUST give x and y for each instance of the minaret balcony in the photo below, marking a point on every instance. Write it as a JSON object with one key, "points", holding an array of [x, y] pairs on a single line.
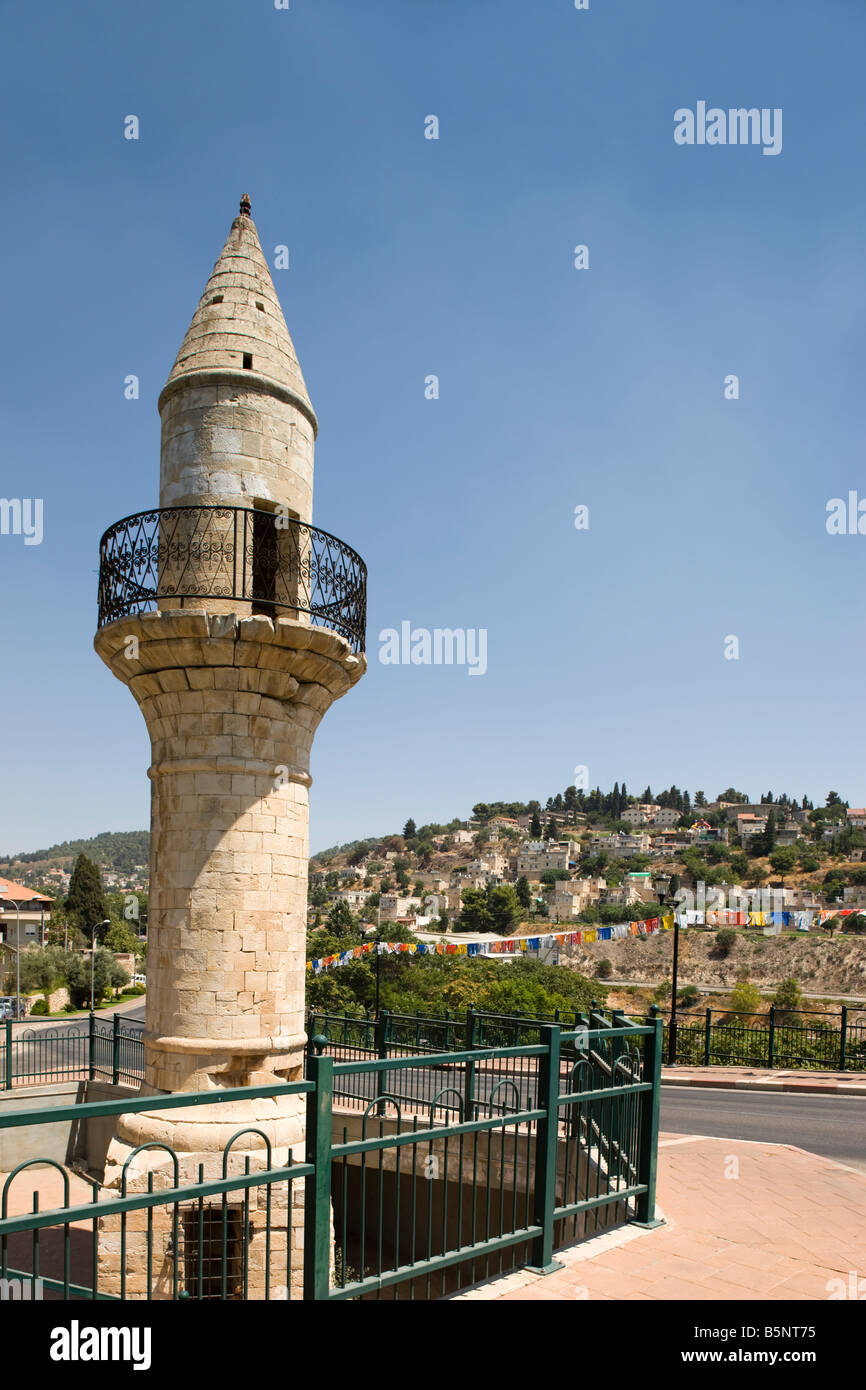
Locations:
{"points": [[226, 559]]}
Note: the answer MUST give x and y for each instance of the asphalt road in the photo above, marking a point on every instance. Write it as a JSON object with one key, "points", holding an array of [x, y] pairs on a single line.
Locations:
{"points": [[834, 1126]]}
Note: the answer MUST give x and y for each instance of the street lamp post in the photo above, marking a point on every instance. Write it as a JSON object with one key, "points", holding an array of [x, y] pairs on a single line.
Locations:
{"points": [[106, 922], [17, 955], [671, 901], [378, 950]]}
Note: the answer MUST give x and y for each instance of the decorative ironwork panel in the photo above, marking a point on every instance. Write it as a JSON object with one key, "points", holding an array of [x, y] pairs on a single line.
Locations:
{"points": [[272, 561]]}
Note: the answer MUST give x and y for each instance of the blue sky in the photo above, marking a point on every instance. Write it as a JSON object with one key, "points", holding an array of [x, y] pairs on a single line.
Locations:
{"points": [[558, 387]]}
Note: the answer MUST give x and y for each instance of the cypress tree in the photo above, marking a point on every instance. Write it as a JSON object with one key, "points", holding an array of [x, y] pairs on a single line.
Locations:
{"points": [[86, 902]]}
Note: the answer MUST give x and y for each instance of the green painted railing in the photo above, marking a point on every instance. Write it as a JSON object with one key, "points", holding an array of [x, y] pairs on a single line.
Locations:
{"points": [[422, 1172]]}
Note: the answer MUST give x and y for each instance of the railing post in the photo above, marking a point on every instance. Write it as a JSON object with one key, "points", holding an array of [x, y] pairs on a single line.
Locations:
{"points": [[546, 1138], [708, 1035], [843, 1039], [617, 1045], [8, 1067], [645, 1214], [469, 1074], [91, 1048], [317, 1190], [771, 1058], [382, 1034], [115, 1049]]}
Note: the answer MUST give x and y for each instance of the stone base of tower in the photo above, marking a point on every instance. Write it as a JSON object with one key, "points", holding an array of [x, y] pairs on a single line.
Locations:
{"points": [[246, 1243]]}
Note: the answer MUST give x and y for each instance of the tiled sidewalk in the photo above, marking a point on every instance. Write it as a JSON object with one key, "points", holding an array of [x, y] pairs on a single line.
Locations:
{"points": [[744, 1221]]}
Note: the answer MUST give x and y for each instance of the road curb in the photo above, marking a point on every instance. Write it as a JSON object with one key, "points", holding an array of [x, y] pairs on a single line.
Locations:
{"points": [[814, 1088]]}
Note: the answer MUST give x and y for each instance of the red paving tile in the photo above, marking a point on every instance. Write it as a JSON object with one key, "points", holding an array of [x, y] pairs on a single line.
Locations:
{"points": [[789, 1224]]}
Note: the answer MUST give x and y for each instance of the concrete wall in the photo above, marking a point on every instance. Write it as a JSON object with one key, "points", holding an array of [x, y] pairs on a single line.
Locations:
{"points": [[64, 1141]]}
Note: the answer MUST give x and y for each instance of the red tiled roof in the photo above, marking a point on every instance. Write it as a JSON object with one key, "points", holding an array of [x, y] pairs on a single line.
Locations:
{"points": [[16, 892]]}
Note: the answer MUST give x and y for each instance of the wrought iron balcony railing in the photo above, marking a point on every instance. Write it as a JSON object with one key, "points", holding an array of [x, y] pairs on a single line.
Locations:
{"points": [[280, 566]]}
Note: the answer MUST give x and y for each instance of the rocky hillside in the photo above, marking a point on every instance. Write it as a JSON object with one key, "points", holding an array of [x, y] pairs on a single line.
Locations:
{"points": [[820, 964]]}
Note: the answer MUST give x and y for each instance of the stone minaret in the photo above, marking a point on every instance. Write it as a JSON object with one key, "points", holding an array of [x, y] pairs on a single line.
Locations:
{"points": [[232, 676]]}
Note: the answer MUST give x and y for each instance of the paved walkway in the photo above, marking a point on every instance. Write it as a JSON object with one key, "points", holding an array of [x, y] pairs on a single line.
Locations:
{"points": [[838, 1083], [743, 1221]]}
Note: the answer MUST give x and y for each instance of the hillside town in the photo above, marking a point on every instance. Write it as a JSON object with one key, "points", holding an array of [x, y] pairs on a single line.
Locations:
{"points": [[602, 858]]}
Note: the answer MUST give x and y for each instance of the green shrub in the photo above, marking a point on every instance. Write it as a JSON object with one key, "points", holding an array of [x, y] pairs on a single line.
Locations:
{"points": [[789, 996], [39, 1008], [745, 998], [603, 970], [689, 994], [726, 940]]}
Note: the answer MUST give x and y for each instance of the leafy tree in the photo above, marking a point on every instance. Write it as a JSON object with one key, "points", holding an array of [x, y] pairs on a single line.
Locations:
{"points": [[739, 864], [475, 911], [86, 903], [341, 922], [120, 937], [59, 925], [504, 907], [78, 977], [788, 997], [745, 998], [783, 859]]}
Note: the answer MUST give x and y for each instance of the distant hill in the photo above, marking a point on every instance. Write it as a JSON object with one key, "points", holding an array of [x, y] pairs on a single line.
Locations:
{"points": [[118, 850]]}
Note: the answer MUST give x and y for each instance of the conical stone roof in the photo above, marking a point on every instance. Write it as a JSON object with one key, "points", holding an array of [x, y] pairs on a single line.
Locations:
{"points": [[239, 326]]}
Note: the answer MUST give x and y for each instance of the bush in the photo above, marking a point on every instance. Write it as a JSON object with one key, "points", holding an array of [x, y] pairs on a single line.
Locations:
{"points": [[39, 1008], [132, 991], [689, 994], [726, 940], [788, 996], [745, 998], [603, 970]]}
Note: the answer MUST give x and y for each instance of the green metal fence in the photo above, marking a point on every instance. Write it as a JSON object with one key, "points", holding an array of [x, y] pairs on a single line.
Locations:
{"points": [[422, 1172], [90, 1049], [801, 1040]]}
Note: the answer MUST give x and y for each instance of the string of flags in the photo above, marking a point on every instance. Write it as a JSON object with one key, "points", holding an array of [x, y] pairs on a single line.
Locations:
{"points": [[515, 945]]}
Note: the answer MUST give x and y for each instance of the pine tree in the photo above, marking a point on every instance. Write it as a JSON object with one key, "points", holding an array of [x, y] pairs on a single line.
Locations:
{"points": [[409, 829], [521, 888], [535, 826]]}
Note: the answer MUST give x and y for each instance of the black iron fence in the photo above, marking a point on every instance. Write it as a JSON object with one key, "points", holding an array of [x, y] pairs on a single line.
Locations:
{"points": [[277, 564], [801, 1040]]}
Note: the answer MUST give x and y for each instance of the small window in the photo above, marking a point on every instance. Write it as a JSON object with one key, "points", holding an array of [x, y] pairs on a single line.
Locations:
{"points": [[248, 360], [260, 305], [217, 299]]}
